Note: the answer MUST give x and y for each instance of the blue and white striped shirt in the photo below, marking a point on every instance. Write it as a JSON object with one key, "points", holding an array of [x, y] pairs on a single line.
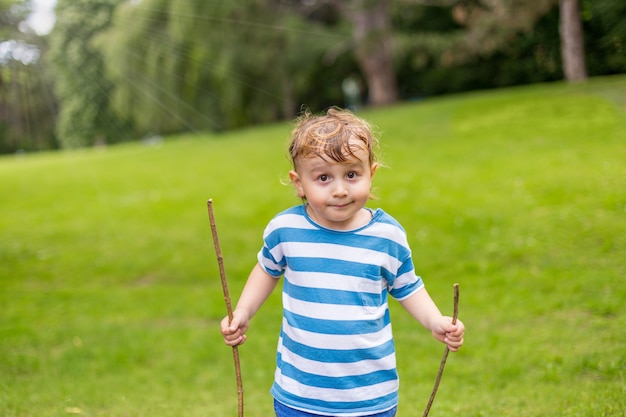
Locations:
{"points": [[336, 354]]}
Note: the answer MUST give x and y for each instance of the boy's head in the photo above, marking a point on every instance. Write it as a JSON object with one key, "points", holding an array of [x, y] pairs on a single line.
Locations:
{"points": [[333, 136], [334, 162]]}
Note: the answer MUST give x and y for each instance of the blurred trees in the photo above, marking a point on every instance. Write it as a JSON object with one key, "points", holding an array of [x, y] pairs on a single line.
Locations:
{"points": [[498, 43], [189, 64], [373, 46], [85, 117], [604, 27], [475, 44], [27, 104], [126, 69], [572, 41]]}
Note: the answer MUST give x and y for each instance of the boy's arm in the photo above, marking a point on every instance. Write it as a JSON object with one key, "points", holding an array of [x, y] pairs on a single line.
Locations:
{"points": [[424, 310], [257, 289], [259, 286]]}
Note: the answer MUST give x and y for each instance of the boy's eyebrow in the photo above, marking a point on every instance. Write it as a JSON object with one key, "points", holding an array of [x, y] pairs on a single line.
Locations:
{"points": [[323, 164], [358, 164]]}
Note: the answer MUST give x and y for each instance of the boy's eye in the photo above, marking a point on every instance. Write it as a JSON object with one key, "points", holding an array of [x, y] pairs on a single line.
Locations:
{"points": [[351, 175], [323, 178]]}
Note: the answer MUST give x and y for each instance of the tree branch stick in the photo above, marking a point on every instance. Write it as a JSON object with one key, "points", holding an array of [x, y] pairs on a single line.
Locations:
{"points": [[445, 353], [220, 262]]}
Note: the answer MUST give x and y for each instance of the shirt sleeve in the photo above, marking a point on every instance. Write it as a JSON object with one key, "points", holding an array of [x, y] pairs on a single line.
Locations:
{"points": [[271, 256], [405, 282]]}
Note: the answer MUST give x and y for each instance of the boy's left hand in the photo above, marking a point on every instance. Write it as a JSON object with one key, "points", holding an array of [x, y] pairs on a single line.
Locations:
{"points": [[448, 333]]}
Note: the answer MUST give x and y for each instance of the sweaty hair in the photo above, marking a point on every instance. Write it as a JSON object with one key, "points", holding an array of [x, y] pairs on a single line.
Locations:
{"points": [[328, 136]]}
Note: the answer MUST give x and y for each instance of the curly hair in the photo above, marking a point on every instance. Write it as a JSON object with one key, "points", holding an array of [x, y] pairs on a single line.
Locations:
{"points": [[333, 136]]}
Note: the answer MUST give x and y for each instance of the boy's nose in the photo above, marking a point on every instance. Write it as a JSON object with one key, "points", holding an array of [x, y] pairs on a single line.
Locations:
{"points": [[340, 189]]}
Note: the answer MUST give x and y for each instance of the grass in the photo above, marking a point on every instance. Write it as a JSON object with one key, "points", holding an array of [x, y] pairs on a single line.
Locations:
{"points": [[110, 296]]}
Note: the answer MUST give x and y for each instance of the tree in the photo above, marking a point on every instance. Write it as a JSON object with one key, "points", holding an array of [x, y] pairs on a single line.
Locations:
{"points": [[195, 65], [155, 61], [604, 23], [373, 46], [126, 69], [484, 26], [572, 43], [12, 13], [27, 105], [456, 45], [83, 88]]}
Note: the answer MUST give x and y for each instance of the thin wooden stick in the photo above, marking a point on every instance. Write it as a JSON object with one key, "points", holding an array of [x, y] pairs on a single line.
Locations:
{"points": [[220, 262], [445, 353]]}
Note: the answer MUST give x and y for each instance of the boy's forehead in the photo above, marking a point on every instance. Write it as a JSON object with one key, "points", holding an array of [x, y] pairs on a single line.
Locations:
{"points": [[348, 148], [337, 149], [358, 155]]}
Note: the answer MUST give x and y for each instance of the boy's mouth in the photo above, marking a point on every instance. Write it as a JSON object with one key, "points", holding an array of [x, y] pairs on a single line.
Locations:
{"points": [[340, 206]]}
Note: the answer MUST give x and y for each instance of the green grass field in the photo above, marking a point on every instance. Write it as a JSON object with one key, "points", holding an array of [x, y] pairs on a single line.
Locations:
{"points": [[110, 295]]}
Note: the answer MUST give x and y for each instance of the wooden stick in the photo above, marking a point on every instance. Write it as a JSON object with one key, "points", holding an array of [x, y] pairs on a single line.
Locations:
{"points": [[445, 353], [229, 309]]}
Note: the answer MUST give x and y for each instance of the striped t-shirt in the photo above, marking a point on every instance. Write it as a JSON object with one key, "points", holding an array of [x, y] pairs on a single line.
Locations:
{"points": [[336, 354]]}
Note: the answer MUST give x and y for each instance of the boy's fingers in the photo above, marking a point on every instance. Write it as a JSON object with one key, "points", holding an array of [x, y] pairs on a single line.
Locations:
{"points": [[225, 326], [456, 329], [450, 328], [233, 325], [237, 341], [229, 327]]}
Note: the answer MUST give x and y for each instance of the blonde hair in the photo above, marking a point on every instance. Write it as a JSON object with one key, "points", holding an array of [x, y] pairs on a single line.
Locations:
{"points": [[328, 136]]}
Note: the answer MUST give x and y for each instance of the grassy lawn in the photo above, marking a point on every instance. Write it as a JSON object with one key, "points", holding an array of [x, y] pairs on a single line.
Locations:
{"points": [[110, 295]]}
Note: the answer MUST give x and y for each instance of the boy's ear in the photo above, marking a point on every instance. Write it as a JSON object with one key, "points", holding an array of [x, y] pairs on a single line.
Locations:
{"points": [[373, 169], [297, 182]]}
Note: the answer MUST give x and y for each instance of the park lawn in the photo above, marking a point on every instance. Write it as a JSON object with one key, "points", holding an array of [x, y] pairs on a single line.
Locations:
{"points": [[110, 295]]}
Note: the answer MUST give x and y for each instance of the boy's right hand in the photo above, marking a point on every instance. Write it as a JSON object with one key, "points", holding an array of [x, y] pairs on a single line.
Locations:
{"points": [[234, 332]]}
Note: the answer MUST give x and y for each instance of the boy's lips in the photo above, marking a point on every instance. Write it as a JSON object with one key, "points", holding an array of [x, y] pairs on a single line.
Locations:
{"points": [[340, 206]]}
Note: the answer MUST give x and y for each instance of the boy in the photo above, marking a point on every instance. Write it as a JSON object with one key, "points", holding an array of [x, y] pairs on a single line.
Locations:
{"points": [[340, 260]]}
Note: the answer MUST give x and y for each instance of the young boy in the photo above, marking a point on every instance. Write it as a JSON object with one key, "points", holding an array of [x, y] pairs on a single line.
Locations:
{"points": [[340, 260]]}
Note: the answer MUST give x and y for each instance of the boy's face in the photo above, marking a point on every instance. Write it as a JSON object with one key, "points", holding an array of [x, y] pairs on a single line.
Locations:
{"points": [[336, 192]]}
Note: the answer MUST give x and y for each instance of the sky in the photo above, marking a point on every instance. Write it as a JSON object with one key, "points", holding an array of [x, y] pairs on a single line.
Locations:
{"points": [[42, 19]]}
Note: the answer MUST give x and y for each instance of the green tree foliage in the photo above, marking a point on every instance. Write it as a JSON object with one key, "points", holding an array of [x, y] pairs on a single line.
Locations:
{"points": [[474, 51], [11, 14], [193, 64], [604, 24], [126, 69], [373, 46], [83, 88], [27, 104], [498, 43], [156, 66]]}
